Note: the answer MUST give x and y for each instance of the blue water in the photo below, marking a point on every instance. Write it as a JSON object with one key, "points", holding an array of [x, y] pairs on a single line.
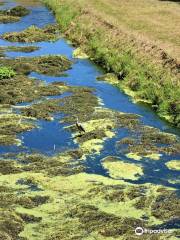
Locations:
{"points": [[39, 17], [83, 73]]}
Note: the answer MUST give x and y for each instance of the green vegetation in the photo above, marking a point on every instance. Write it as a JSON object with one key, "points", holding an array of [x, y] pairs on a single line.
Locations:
{"points": [[101, 124], [151, 143], [16, 87], [53, 65], [68, 201], [12, 124], [33, 34], [78, 53], [109, 77], [8, 19], [121, 170], [18, 11], [52, 197], [150, 76], [6, 72], [174, 165], [13, 14], [26, 49]]}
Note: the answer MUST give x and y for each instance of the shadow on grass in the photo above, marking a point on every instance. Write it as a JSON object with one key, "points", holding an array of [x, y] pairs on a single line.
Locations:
{"points": [[177, 1]]}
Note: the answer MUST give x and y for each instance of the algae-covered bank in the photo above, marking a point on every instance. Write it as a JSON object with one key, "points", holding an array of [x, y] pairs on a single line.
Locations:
{"points": [[78, 159]]}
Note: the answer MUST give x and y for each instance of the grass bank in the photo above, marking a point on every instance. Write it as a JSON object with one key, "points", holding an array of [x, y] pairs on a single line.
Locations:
{"points": [[135, 45]]}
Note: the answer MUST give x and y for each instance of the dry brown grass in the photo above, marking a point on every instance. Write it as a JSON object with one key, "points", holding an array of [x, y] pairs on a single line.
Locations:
{"points": [[152, 21]]}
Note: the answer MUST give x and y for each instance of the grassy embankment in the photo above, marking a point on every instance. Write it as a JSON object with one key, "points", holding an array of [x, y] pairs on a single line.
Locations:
{"points": [[136, 40]]}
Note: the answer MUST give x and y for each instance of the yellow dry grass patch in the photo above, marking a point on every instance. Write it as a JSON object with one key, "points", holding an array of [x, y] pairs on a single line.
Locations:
{"points": [[152, 21]]}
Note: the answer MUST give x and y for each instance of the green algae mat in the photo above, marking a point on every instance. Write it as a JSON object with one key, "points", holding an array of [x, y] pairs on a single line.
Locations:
{"points": [[59, 195], [13, 14]]}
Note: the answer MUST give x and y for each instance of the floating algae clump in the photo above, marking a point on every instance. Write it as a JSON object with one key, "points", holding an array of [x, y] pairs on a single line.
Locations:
{"points": [[134, 156], [153, 156], [137, 156], [65, 218], [92, 146], [69, 201], [11, 197], [64, 164], [9, 140], [18, 11], [9, 167], [42, 110], [49, 65], [10, 125], [119, 169], [96, 132], [99, 123], [34, 34], [13, 14], [15, 90], [148, 142], [45, 109], [8, 18], [5, 108], [14, 82], [78, 53], [105, 122], [174, 165], [26, 49], [166, 205]]}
